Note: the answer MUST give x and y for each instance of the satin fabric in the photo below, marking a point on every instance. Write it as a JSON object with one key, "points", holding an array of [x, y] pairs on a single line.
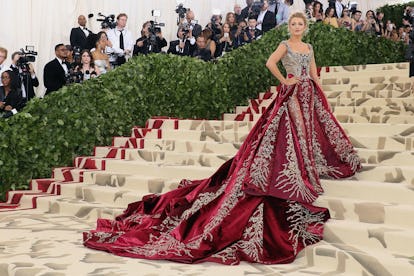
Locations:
{"points": [[256, 207]]}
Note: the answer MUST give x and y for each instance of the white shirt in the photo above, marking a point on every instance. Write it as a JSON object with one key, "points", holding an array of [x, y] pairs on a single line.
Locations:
{"points": [[260, 19], [24, 94], [64, 66], [113, 36], [85, 30], [339, 8]]}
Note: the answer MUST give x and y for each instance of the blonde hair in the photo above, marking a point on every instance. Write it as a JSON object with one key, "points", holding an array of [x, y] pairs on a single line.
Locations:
{"points": [[3, 50], [298, 15]]}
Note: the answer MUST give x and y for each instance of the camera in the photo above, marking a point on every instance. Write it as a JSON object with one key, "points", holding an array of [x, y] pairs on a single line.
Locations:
{"points": [[181, 11], [107, 21], [77, 55], [256, 8], [26, 55]]}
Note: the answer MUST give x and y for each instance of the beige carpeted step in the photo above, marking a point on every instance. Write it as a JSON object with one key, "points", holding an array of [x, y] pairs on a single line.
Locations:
{"points": [[361, 95], [368, 211], [387, 239], [368, 68]]}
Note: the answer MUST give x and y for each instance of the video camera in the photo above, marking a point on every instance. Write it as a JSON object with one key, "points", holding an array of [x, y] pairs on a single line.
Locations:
{"points": [[181, 11], [26, 55], [107, 21]]}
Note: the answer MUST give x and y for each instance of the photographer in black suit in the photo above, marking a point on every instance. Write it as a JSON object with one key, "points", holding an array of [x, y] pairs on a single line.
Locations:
{"points": [[56, 71], [25, 75], [151, 40], [184, 45], [79, 35]]}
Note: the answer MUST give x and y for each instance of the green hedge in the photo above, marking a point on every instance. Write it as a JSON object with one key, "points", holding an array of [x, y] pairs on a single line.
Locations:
{"points": [[50, 132]]}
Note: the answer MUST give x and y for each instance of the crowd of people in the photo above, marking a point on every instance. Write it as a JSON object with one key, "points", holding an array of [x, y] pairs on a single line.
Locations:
{"points": [[349, 17], [89, 55]]}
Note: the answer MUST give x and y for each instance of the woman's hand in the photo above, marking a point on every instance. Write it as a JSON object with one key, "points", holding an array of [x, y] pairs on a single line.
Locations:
{"points": [[291, 81]]}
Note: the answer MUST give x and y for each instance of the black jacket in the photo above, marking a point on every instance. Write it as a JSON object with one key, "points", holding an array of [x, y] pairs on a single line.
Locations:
{"points": [[54, 76], [27, 80], [187, 50], [149, 47], [78, 38], [13, 99], [269, 21]]}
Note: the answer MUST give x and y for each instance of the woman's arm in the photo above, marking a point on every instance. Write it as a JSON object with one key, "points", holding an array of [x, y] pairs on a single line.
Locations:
{"points": [[271, 64]]}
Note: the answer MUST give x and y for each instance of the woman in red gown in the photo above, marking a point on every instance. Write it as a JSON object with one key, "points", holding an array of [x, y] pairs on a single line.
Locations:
{"points": [[256, 207]]}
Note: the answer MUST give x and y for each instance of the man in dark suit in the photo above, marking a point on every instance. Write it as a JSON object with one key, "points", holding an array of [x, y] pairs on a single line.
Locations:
{"points": [[55, 71], [192, 23], [184, 45], [79, 35], [266, 20], [247, 11], [25, 75]]}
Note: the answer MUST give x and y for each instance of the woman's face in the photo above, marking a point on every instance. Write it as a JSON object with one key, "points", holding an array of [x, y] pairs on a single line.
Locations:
{"points": [[297, 26], [346, 13], [5, 78], [331, 12], [231, 18], [86, 58], [226, 28], [103, 40]]}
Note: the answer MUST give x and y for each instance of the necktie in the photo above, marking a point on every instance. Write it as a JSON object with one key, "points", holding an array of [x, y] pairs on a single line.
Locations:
{"points": [[121, 40]]}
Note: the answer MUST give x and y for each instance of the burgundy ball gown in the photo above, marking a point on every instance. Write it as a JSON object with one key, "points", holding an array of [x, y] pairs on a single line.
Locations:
{"points": [[256, 207]]}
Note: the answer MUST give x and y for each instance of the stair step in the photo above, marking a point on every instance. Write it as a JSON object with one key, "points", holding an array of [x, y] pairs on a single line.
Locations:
{"points": [[368, 68], [90, 211], [368, 211], [387, 239], [403, 94], [369, 190]]}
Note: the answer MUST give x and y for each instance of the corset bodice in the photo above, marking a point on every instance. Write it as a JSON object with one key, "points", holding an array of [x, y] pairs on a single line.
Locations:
{"points": [[297, 64]]}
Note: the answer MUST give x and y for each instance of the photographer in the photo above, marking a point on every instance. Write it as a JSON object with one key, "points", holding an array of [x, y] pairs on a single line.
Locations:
{"points": [[240, 37], [184, 45], [25, 75], [215, 26], [246, 11], [11, 100], [192, 23], [151, 40], [122, 42]]}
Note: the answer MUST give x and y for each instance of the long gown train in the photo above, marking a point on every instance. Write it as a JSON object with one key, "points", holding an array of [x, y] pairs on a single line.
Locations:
{"points": [[257, 206]]}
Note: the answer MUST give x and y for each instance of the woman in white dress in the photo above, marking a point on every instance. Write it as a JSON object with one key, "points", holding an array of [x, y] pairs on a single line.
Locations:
{"points": [[100, 58]]}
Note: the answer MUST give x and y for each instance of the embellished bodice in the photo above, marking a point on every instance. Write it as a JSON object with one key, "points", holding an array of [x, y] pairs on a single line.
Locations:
{"points": [[101, 64], [297, 64]]}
